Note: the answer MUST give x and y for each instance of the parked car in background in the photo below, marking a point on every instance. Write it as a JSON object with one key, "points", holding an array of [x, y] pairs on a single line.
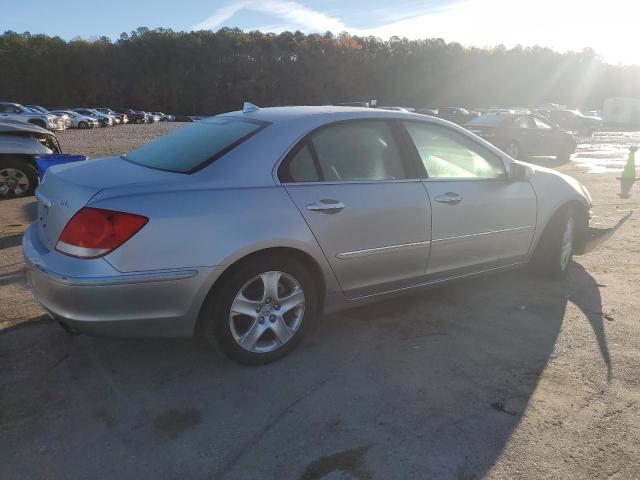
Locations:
{"points": [[396, 109], [132, 115], [19, 112], [427, 111], [64, 117], [104, 120], [150, 117], [457, 115], [575, 121], [164, 117], [122, 117], [353, 104], [79, 120], [522, 135], [20, 143], [317, 209]]}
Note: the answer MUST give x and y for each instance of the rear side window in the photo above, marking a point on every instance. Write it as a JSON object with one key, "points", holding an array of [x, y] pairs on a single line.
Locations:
{"points": [[302, 167], [191, 148], [347, 152]]}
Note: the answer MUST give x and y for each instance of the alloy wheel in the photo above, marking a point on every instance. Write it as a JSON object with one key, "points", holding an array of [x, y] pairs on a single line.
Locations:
{"points": [[13, 181], [267, 312]]}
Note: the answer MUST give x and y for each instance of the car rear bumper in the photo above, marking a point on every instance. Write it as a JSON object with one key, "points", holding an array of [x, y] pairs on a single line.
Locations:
{"points": [[107, 302]]}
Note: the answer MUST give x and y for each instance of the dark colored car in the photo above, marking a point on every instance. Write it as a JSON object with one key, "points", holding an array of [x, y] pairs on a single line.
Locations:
{"points": [[457, 115], [521, 135], [132, 115], [427, 111], [575, 121]]}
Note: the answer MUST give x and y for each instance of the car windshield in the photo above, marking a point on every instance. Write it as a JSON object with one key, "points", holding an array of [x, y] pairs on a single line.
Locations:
{"points": [[191, 148], [489, 119]]}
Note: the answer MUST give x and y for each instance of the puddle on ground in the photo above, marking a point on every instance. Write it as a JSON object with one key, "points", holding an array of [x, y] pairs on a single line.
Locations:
{"points": [[606, 152]]}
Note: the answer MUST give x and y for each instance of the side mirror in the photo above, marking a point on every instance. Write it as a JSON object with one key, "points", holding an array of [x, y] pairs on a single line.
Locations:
{"points": [[520, 172]]}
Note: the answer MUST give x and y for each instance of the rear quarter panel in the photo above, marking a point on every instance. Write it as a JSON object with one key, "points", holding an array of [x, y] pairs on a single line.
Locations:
{"points": [[211, 227]]}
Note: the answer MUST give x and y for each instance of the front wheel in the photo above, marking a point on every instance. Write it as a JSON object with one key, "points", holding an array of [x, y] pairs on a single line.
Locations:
{"points": [[83, 125], [555, 249], [17, 178], [565, 152], [261, 309]]}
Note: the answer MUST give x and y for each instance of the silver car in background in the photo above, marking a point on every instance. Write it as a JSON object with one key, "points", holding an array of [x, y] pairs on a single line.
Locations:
{"points": [[244, 227]]}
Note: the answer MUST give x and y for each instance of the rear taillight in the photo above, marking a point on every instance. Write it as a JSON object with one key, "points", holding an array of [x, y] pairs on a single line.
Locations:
{"points": [[94, 232]]}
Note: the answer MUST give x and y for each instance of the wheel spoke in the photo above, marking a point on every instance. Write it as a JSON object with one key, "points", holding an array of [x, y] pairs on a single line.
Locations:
{"points": [[243, 306], [293, 300], [252, 336], [270, 281], [281, 330]]}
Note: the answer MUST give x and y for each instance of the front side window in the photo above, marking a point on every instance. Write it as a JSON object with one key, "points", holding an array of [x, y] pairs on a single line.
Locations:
{"points": [[193, 147], [448, 154]]}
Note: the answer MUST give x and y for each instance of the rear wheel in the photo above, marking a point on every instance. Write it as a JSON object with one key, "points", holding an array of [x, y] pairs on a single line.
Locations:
{"points": [[18, 178], [513, 150], [261, 309], [555, 249]]}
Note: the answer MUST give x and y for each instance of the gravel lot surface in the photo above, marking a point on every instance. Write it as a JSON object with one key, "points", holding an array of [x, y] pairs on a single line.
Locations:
{"points": [[501, 378]]}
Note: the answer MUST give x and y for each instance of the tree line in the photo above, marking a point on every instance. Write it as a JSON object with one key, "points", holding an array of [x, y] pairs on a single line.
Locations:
{"points": [[206, 72]]}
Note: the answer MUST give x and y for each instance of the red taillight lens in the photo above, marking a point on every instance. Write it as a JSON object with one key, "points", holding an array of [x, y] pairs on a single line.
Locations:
{"points": [[94, 232]]}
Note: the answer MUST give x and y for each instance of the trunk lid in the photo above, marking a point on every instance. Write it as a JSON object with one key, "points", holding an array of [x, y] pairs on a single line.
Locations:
{"points": [[67, 188]]}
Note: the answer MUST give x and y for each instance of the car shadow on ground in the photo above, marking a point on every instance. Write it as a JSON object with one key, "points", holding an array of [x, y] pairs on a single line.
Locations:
{"points": [[429, 385]]}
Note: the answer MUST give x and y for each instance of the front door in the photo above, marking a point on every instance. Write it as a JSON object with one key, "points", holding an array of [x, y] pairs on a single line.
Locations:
{"points": [[480, 218], [350, 181]]}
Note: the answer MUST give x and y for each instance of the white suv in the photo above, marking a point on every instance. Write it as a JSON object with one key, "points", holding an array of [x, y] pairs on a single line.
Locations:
{"points": [[19, 112]]}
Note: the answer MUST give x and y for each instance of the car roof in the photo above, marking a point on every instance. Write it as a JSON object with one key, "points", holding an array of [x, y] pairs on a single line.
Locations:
{"points": [[318, 114]]}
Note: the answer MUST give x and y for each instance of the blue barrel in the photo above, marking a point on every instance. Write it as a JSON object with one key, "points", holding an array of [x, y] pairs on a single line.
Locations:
{"points": [[45, 161]]}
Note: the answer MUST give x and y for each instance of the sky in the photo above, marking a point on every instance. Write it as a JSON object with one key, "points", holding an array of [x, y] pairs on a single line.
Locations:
{"points": [[609, 27]]}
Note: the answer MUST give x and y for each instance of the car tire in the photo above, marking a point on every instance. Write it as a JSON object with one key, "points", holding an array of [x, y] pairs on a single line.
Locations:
{"points": [[83, 125], [513, 150], [565, 152], [253, 338], [14, 173], [555, 249]]}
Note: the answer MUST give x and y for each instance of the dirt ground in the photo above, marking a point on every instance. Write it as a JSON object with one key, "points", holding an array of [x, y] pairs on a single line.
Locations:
{"points": [[501, 378]]}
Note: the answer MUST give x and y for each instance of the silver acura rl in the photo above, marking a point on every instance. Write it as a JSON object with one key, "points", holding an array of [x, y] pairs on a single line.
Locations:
{"points": [[246, 226]]}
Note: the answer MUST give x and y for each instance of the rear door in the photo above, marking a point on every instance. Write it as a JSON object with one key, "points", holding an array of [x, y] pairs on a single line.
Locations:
{"points": [[548, 138], [480, 218], [365, 206], [522, 130]]}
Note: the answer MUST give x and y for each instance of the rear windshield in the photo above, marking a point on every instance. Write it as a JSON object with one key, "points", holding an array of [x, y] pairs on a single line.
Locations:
{"points": [[490, 119], [191, 148]]}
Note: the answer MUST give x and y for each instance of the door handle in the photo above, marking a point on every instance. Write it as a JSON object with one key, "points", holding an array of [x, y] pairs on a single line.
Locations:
{"points": [[449, 198], [326, 205]]}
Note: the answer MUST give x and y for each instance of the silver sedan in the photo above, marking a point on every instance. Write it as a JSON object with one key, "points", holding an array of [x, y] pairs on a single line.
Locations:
{"points": [[245, 227]]}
